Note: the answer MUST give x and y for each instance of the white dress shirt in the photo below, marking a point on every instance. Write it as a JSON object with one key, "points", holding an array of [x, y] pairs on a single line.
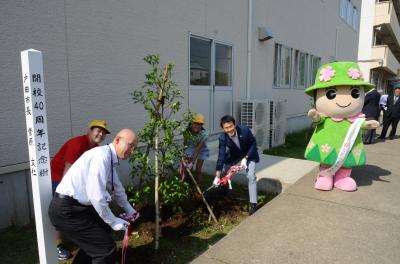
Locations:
{"points": [[383, 100], [89, 181]]}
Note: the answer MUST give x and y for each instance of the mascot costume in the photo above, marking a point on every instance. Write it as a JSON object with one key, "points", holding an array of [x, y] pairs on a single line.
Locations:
{"points": [[336, 143]]}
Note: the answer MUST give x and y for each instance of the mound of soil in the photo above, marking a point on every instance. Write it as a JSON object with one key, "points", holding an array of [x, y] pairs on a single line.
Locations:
{"points": [[178, 228]]}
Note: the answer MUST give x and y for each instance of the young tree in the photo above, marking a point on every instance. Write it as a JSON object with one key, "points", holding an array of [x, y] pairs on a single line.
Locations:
{"points": [[160, 97]]}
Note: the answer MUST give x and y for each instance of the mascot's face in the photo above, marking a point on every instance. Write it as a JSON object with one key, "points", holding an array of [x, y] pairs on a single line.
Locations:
{"points": [[340, 101]]}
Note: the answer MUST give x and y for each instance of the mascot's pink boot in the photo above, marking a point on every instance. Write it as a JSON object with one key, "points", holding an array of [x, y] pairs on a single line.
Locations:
{"points": [[343, 181], [323, 183]]}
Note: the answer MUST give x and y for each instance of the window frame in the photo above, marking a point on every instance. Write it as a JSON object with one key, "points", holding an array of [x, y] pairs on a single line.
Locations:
{"points": [[312, 72], [298, 55], [210, 70], [278, 66], [230, 74], [343, 9], [349, 14], [355, 19]]}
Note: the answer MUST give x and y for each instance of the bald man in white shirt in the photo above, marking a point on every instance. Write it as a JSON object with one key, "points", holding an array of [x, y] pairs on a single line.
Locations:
{"points": [[80, 207]]}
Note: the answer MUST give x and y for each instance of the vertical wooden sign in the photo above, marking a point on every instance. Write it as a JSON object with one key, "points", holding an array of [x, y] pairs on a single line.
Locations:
{"points": [[38, 145]]}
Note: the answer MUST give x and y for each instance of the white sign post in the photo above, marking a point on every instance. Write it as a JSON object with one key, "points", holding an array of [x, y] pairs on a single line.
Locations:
{"points": [[38, 145]]}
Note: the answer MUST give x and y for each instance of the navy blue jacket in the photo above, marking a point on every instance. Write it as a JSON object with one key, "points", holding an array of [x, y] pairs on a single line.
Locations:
{"points": [[230, 154], [393, 109], [371, 104]]}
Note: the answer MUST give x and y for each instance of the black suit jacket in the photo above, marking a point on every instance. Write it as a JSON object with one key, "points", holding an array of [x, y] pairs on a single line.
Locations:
{"points": [[393, 110], [371, 104], [229, 153]]}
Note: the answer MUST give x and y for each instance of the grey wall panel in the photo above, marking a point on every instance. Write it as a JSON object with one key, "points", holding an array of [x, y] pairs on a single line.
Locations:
{"points": [[38, 25], [15, 199], [106, 43]]}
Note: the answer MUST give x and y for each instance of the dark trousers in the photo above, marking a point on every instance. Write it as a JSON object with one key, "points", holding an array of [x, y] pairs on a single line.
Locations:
{"points": [[387, 121], [369, 134], [83, 226]]}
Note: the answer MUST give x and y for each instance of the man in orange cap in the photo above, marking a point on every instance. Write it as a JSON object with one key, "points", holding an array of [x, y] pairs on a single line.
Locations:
{"points": [[67, 155]]}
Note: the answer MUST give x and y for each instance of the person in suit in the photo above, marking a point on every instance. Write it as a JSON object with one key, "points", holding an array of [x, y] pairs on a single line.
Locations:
{"points": [[392, 114], [237, 144], [371, 110]]}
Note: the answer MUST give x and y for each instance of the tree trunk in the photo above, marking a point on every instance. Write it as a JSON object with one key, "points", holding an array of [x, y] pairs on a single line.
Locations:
{"points": [[156, 200]]}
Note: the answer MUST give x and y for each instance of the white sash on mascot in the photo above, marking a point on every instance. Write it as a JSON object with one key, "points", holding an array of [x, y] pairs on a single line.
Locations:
{"points": [[345, 149]]}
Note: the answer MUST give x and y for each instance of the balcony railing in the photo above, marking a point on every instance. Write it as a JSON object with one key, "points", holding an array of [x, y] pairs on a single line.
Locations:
{"points": [[386, 15], [383, 57]]}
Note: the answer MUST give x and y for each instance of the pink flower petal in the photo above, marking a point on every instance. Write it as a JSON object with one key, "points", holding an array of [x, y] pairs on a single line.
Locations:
{"points": [[354, 73], [326, 74]]}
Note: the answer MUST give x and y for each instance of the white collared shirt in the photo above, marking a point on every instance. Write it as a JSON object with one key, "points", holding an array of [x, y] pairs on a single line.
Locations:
{"points": [[89, 182], [383, 100]]}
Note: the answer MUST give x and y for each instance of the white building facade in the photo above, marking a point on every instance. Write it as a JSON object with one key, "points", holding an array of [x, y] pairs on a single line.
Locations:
{"points": [[224, 51]]}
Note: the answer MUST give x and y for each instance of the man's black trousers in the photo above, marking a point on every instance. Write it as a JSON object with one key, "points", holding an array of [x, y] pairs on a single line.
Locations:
{"points": [[82, 225], [387, 121]]}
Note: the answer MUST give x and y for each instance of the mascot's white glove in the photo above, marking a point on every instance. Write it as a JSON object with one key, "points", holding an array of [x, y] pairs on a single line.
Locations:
{"points": [[371, 124], [243, 163], [119, 224], [314, 115], [216, 181]]}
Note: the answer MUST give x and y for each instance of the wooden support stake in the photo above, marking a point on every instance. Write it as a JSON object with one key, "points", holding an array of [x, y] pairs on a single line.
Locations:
{"points": [[199, 191]]}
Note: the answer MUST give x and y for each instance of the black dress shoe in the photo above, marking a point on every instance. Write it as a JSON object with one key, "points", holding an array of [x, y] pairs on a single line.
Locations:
{"points": [[391, 137], [252, 208], [381, 137]]}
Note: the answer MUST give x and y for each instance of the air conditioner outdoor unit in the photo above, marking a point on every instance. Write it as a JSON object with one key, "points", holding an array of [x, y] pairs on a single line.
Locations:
{"points": [[266, 119], [263, 137], [278, 134], [255, 114], [278, 122], [278, 111]]}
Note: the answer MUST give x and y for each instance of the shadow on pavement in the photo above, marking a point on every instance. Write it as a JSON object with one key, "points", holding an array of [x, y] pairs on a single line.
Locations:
{"points": [[365, 175]]}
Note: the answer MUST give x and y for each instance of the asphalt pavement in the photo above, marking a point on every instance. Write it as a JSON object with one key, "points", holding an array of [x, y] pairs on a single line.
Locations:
{"points": [[304, 225]]}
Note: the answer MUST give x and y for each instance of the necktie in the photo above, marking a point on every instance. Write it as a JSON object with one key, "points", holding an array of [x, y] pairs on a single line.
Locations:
{"points": [[395, 99]]}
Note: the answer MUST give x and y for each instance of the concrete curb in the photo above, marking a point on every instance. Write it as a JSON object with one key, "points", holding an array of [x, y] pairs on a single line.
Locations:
{"points": [[274, 174]]}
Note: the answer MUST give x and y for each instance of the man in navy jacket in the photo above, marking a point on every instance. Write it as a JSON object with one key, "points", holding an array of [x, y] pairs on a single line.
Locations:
{"points": [[237, 144], [371, 110]]}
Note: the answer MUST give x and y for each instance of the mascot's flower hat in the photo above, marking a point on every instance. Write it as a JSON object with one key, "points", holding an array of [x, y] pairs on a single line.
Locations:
{"points": [[338, 73]]}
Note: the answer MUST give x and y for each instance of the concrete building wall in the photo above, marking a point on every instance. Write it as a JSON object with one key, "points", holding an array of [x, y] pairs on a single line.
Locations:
{"points": [[106, 51], [93, 58], [366, 36], [314, 27]]}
